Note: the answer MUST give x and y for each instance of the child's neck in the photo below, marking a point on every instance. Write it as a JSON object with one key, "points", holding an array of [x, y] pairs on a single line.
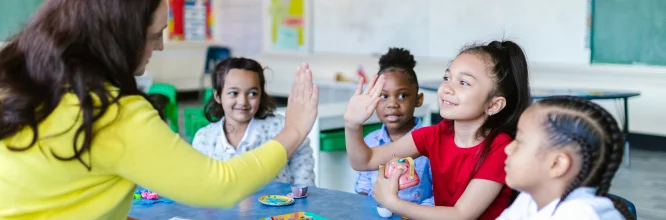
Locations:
{"points": [[546, 193], [395, 134], [234, 131], [466, 132]]}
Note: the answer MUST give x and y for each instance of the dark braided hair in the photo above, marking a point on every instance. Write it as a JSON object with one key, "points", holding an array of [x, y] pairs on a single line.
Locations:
{"points": [[399, 60], [587, 125]]}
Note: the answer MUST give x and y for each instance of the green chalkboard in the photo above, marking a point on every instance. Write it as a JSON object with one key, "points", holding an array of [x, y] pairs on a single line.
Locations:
{"points": [[629, 32], [13, 14]]}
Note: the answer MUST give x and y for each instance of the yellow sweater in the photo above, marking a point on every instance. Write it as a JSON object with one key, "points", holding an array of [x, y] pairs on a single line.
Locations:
{"points": [[132, 146]]}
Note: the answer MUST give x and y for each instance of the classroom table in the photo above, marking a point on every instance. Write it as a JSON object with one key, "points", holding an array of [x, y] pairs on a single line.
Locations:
{"points": [[329, 204], [592, 94]]}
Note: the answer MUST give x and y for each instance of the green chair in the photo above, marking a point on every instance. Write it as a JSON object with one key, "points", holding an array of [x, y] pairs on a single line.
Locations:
{"points": [[194, 120], [171, 110], [208, 94]]}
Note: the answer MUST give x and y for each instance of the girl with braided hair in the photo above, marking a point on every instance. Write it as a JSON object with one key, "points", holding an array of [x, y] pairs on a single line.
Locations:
{"points": [[563, 159]]}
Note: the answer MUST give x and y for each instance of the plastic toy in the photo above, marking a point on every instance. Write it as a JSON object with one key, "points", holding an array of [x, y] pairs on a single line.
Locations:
{"points": [[407, 179]]}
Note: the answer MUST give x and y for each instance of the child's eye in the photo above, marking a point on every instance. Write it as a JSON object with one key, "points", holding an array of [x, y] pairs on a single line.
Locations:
{"points": [[464, 83], [446, 78], [382, 96], [233, 93], [402, 96], [253, 94]]}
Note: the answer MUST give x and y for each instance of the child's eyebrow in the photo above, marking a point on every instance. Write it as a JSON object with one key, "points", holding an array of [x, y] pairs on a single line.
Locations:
{"points": [[468, 74]]}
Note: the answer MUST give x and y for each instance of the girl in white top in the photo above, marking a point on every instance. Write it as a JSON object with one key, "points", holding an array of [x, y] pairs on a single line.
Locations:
{"points": [[563, 159], [242, 118]]}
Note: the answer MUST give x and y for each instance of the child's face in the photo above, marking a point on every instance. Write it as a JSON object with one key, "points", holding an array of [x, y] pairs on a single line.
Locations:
{"points": [[399, 98], [464, 93], [527, 160], [240, 95]]}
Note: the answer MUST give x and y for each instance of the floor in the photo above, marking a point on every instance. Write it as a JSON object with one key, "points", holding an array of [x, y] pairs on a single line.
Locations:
{"points": [[644, 183]]}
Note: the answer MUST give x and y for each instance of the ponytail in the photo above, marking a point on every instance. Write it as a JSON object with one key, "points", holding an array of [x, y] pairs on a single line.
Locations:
{"points": [[510, 70]]}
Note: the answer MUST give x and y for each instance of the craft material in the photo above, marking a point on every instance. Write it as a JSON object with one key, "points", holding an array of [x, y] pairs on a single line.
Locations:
{"points": [[276, 200], [407, 179]]}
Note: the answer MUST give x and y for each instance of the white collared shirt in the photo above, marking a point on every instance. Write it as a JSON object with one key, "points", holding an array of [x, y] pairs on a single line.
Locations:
{"points": [[582, 204], [211, 140]]}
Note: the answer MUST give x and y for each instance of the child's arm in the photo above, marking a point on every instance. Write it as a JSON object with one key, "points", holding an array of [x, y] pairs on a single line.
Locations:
{"points": [[361, 106], [301, 165], [478, 195], [364, 182]]}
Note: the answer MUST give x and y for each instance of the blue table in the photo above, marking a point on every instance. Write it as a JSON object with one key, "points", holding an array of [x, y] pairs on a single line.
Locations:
{"points": [[588, 94], [330, 204]]}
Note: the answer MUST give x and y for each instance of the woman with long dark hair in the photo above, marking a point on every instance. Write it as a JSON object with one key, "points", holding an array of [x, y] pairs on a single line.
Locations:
{"points": [[77, 135]]}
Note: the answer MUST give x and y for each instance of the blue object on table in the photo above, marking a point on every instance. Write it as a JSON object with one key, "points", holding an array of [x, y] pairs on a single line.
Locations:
{"points": [[329, 204], [591, 94], [629, 204]]}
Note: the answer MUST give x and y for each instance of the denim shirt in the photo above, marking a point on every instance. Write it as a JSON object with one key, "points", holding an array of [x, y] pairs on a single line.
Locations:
{"points": [[421, 193]]}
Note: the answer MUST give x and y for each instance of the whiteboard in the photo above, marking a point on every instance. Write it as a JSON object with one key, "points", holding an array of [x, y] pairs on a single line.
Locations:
{"points": [[370, 26], [548, 31]]}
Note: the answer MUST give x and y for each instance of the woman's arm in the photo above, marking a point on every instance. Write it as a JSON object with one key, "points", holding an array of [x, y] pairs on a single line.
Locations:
{"points": [[301, 165], [478, 195], [148, 153], [361, 106]]}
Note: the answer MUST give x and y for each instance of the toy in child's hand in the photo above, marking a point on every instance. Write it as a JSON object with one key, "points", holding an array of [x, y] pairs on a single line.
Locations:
{"points": [[409, 178]]}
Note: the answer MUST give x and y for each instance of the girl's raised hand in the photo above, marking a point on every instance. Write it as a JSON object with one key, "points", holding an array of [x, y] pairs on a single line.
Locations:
{"points": [[363, 103]]}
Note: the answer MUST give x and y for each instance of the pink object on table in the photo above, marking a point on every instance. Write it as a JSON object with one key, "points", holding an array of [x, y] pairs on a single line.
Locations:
{"points": [[149, 195], [409, 178]]}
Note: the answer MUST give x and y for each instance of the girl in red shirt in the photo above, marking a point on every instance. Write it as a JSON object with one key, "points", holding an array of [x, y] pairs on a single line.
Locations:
{"points": [[483, 93]]}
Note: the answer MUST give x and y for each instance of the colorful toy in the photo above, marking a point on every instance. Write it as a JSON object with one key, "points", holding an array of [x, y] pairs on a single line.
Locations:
{"points": [[145, 194], [407, 179]]}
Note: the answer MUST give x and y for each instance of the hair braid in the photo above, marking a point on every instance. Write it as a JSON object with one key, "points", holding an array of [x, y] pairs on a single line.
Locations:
{"points": [[615, 140], [605, 154], [585, 148]]}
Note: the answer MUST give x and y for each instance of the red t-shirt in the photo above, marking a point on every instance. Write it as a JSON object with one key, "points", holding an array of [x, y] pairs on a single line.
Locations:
{"points": [[452, 166]]}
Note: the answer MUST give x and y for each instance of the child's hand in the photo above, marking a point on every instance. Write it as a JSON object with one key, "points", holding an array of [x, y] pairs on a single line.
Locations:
{"points": [[363, 104], [302, 103], [385, 190]]}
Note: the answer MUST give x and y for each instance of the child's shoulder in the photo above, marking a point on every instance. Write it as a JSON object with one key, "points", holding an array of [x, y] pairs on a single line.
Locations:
{"points": [[596, 207], [276, 120], [210, 129]]}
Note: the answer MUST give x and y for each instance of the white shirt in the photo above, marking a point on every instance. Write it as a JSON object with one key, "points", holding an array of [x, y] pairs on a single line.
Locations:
{"points": [[212, 141], [144, 82], [582, 204]]}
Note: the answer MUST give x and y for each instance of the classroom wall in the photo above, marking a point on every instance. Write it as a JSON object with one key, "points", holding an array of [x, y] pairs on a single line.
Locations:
{"points": [[647, 112]]}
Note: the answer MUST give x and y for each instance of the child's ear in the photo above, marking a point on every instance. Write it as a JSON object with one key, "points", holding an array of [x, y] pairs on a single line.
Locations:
{"points": [[560, 164], [217, 97], [496, 105], [419, 100]]}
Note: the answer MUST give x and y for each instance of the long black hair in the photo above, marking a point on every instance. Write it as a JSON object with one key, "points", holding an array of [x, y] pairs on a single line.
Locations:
{"points": [[510, 74], [579, 122], [72, 46]]}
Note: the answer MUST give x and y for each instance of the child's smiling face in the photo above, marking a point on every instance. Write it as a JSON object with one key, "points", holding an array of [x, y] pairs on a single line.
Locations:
{"points": [[465, 93], [399, 98], [240, 96]]}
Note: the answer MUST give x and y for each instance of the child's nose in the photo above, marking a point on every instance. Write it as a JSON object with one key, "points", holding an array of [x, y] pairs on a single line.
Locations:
{"points": [[445, 89]]}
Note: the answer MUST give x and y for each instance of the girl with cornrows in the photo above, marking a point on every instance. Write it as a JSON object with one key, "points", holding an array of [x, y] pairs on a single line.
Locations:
{"points": [[563, 159]]}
